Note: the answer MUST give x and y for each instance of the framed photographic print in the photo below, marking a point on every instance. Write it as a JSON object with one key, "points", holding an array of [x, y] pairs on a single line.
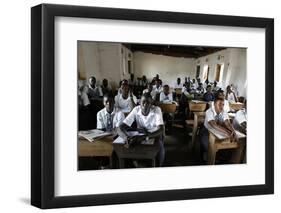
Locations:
{"points": [[140, 106]]}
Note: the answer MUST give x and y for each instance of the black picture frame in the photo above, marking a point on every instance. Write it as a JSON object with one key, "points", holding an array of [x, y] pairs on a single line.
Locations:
{"points": [[43, 117]]}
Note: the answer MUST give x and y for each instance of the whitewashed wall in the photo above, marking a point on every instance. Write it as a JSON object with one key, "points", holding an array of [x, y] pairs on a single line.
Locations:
{"points": [[103, 60], [169, 68], [109, 60]]}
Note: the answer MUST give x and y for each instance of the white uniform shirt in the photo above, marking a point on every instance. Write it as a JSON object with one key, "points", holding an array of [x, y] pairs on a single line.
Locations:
{"points": [[124, 105], [241, 116], [231, 98], [166, 98], [94, 93], [117, 117], [211, 115], [178, 86], [145, 91], [226, 105], [157, 90], [216, 88], [194, 86], [185, 92], [84, 98], [149, 122]]}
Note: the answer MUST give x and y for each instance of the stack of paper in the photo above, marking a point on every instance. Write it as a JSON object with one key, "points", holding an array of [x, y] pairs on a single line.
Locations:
{"points": [[198, 102], [93, 134]]}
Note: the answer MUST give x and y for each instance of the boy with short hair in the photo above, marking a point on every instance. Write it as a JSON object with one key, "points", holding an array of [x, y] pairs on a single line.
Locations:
{"points": [[217, 119], [109, 118]]}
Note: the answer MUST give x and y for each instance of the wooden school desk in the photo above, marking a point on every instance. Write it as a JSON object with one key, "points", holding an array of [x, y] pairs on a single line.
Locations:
{"points": [[236, 106], [218, 142], [198, 110], [168, 107], [140, 151], [99, 148], [198, 119]]}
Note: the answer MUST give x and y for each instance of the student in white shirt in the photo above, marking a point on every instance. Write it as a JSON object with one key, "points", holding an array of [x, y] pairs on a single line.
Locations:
{"points": [[217, 119], [149, 121], [144, 82], [125, 101], [94, 92], [230, 95], [178, 84], [166, 96], [200, 89], [220, 94], [105, 87], [132, 82], [157, 89], [83, 97], [186, 89], [193, 86], [150, 90], [215, 87], [109, 118], [240, 120]]}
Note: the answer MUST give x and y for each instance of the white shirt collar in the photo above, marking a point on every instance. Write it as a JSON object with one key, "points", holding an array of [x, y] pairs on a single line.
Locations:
{"points": [[140, 113], [214, 111], [112, 113], [90, 86]]}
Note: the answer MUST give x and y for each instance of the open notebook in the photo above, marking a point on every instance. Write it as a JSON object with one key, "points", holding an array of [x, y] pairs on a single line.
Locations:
{"points": [[93, 134], [120, 140]]}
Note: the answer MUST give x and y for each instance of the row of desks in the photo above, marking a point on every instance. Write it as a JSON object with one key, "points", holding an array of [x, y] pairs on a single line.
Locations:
{"points": [[105, 147]]}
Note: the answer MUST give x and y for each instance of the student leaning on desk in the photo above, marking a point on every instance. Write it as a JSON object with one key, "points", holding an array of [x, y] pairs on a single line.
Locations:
{"points": [[217, 119], [149, 122]]}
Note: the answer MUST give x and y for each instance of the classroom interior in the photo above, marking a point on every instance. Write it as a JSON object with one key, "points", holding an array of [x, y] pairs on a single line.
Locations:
{"points": [[203, 69]]}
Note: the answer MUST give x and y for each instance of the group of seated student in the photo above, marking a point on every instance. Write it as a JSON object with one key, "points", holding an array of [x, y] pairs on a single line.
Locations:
{"points": [[147, 117], [91, 92], [207, 90], [137, 85], [118, 112], [121, 111]]}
